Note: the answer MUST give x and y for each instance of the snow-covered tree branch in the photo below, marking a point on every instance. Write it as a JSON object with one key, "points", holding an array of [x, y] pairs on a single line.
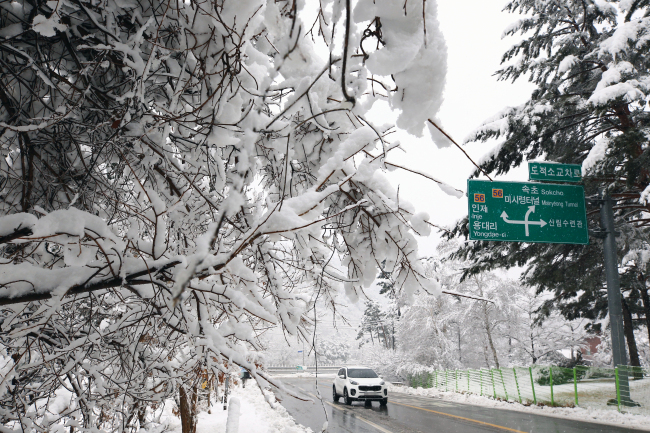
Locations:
{"points": [[177, 175]]}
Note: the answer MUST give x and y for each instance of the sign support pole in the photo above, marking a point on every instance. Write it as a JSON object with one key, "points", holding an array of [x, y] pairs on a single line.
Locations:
{"points": [[614, 295]]}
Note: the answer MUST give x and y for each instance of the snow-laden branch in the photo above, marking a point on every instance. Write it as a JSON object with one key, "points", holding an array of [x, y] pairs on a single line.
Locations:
{"points": [[466, 295], [178, 177], [36, 284]]}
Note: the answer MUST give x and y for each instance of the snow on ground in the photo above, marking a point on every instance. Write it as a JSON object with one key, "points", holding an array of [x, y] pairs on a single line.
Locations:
{"points": [[589, 414], [255, 416], [594, 393]]}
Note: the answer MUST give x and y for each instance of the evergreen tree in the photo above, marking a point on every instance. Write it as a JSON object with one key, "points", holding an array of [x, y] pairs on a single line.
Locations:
{"points": [[393, 312], [588, 60], [372, 325]]}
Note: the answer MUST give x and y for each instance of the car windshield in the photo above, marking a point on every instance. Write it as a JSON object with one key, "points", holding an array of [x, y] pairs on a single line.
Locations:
{"points": [[361, 373]]}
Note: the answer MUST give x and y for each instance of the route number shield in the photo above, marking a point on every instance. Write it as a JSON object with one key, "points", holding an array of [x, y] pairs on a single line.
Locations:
{"points": [[527, 212]]}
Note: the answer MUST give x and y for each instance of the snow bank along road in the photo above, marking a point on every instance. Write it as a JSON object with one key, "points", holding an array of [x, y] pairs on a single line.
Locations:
{"points": [[411, 414]]}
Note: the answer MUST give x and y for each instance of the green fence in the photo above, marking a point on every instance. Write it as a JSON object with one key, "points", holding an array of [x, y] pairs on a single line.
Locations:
{"points": [[626, 389]]}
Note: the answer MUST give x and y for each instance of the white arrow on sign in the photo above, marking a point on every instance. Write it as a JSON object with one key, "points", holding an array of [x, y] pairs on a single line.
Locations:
{"points": [[527, 223]]}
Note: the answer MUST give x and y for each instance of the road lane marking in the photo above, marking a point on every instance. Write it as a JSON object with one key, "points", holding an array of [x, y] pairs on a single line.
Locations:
{"points": [[377, 426], [460, 417]]}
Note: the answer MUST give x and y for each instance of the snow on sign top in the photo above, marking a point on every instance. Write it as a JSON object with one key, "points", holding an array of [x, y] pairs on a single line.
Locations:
{"points": [[552, 171], [527, 212]]}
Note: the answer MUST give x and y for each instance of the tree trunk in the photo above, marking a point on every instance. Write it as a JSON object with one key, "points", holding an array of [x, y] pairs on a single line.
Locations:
{"points": [[489, 336], [532, 348], [386, 343], [487, 360], [629, 334], [494, 351], [188, 400], [532, 336], [646, 308], [460, 354], [142, 414]]}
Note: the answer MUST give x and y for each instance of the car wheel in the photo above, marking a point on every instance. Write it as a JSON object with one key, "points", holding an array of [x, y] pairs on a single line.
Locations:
{"points": [[346, 398], [335, 396], [383, 402]]}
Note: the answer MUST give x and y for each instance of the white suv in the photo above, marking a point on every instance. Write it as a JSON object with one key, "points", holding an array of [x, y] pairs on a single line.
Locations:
{"points": [[359, 383]]}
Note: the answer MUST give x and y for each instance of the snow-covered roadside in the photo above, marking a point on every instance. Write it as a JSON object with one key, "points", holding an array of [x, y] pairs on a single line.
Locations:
{"points": [[255, 416], [610, 417]]}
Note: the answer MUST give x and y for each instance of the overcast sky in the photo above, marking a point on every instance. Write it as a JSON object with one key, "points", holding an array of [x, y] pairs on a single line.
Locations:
{"points": [[472, 29]]}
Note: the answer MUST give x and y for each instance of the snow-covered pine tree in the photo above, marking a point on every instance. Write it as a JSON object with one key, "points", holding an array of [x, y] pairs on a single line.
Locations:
{"points": [[177, 176], [588, 60], [392, 310], [373, 326]]}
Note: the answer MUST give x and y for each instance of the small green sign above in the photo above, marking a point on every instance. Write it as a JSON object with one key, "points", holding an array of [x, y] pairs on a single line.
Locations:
{"points": [[527, 212], [554, 172]]}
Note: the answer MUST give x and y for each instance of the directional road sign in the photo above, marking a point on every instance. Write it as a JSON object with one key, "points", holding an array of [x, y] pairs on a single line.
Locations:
{"points": [[552, 171], [527, 212]]}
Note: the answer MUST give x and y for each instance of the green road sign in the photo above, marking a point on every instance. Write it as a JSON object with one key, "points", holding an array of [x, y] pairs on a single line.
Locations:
{"points": [[554, 172], [527, 212]]}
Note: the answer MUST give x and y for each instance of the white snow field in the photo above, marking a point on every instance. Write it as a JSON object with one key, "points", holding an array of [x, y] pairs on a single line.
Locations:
{"points": [[255, 416], [594, 393], [588, 411]]}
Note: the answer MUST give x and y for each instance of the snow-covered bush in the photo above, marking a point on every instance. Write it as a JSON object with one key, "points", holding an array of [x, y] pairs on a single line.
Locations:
{"points": [[176, 176], [331, 352]]}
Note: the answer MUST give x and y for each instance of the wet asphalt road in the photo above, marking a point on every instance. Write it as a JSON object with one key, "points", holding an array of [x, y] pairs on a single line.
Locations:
{"points": [[411, 414]]}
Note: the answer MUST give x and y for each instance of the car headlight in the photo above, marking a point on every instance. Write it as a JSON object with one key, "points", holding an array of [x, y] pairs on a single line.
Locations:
{"points": [[382, 383], [352, 382]]}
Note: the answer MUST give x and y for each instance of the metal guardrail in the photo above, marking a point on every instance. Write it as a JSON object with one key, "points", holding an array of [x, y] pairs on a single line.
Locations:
{"points": [[307, 369]]}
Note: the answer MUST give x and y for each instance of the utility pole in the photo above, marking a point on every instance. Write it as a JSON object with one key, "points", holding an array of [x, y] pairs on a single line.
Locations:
{"points": [[614, 296]]}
